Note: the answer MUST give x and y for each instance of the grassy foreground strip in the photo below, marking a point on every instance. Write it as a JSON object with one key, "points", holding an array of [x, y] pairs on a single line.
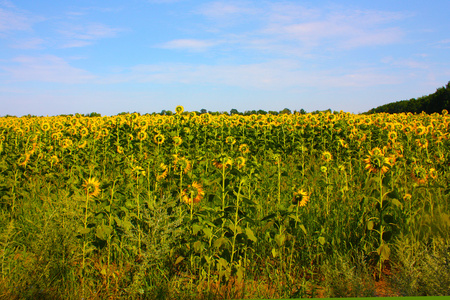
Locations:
{"points": [[209, 206]]}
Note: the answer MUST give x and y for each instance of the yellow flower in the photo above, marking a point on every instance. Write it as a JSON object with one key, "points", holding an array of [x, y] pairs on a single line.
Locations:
{"points": [[179, 109], [142, 135], [244, 149], [193, 194], [392, 136], [23, 160], [66, 143], [45, 126], [159, 138], [326, 156], [92, 187], [177, 140], [300, 197], [240, 162], [407, 197], [433, 173], [376, 162], [161, 173], [230, 140], [419, 174]]}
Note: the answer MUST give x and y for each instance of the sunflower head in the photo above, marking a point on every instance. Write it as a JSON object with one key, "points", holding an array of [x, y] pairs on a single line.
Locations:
{"points": [[193, 194], [419, 174], [230, 140], [179, 109], [244, 148], [177, 141], [92, 187], [300, 198], [240, 162], [159, 138], [377, 162], [142, 135], [326, 156]]}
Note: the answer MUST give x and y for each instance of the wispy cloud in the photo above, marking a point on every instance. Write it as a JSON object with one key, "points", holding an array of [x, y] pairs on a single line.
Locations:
{"points": [[30, 43], [12, 19], [271, 75], [46, 68], [189, 44], [86, 34]]}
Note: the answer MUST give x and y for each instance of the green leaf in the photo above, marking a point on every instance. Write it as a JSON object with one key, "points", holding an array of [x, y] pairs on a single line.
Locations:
{"points": [[219, 242], [397, 203], [384, 251], [370, 225], [196, 228], [274, 252], [83, 230], [280, 239], [322, 240], [302, 227], [198, 247], [250, 235], [207, 231], [179, 259]]}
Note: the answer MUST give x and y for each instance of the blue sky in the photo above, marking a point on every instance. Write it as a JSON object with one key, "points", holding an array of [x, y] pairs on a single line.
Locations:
{"points": [[67, 57]]}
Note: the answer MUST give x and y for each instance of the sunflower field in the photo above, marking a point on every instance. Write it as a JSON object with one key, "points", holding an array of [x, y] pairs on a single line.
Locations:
{"points": [[214, 206]]}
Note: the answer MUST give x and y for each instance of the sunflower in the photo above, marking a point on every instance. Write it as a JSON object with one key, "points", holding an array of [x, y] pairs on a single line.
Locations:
{"points": [[177, 140], [45, 126], [419, 174], [159, 138], [84, 132], [142, 135], [119, 149], [92, 187], [392, 135], [230, 140], [161, 172], [244, 148], [23, 160], [422, 143], [193, 194], [326, 156], [179, 109], [433, 173], [240, 162], [82, 144], [376, 161], [66, 143], [300, 197]]}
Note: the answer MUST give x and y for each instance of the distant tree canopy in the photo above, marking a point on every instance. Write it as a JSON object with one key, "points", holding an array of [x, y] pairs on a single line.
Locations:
{"points": [[433, 103]]}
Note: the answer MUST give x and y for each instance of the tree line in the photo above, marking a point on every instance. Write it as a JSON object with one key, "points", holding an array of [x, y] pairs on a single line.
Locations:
{"points": [[433, 103]]}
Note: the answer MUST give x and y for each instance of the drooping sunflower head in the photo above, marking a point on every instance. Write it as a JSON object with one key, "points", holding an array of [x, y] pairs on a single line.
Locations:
{"points": [[92, 187], [419, 174], [300, 198], [422, 143], [193, 194]]}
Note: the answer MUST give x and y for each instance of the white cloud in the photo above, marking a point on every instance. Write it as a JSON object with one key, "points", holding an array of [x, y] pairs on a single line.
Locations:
{"points": [[271, 75], [189, 44], [31, 43], [83, 35], [46, 68], [225, 9]]}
